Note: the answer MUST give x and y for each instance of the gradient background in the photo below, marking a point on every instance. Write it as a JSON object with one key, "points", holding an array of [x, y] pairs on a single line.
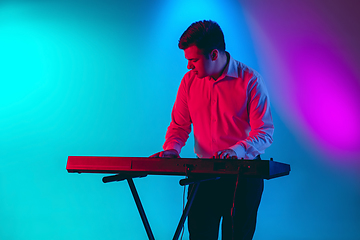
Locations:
{"points": [[100, 78]]}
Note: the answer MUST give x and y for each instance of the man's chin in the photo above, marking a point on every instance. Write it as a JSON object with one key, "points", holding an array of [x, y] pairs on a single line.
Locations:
{"points": [[199, 75]]}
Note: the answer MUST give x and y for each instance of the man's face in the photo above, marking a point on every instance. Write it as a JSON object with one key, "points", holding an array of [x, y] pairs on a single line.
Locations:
{"points": [[197, 62]]}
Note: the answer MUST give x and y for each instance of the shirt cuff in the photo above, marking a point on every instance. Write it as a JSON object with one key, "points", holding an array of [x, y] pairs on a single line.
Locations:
{"points": [[174, 145], [239, 150]]}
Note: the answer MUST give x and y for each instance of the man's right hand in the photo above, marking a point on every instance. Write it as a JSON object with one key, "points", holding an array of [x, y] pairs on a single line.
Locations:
{"points": [[171, 153]]}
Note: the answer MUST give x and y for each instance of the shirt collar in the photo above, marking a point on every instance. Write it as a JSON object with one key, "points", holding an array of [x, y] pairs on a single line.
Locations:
{"points": [[230, 69]]}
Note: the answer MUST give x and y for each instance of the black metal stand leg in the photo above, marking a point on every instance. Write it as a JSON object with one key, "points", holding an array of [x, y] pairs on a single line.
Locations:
{"points": [[186, 210], [140, 208]]}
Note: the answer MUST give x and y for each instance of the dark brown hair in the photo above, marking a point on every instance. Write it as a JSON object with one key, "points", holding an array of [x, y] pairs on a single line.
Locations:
{"points": [[206, 35]]}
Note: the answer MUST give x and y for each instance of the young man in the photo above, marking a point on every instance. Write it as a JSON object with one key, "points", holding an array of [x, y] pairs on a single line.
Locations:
{"points": [[228, 106]]}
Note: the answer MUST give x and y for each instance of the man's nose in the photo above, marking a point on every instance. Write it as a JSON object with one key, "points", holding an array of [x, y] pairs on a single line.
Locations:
{"points": [[190, 66]]}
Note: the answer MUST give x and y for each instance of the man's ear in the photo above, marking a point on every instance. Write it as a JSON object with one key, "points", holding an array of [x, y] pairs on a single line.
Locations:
{"points": [[214, 54]]}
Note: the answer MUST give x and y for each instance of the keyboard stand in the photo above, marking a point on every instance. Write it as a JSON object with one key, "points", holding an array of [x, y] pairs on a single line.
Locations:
{"points": [[129, 178], [183, 182]]}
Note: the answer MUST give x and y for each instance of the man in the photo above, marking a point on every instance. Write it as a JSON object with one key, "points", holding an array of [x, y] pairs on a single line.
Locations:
{"points": [[228, 106]]}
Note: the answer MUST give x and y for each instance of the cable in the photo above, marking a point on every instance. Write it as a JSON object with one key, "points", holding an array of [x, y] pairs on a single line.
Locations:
{"points": [[186, 171], [233, 205], [235, 190]]}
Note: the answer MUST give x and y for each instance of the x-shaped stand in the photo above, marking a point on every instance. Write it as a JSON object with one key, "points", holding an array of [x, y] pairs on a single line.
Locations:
{"points": [[183, 182]]}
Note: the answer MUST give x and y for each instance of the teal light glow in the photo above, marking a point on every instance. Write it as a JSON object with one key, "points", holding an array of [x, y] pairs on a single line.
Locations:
{"points": [[100, 78]]}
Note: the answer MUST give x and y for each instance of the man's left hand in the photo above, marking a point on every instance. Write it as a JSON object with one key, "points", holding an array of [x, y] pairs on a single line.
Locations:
{"points": [[225, 154]]}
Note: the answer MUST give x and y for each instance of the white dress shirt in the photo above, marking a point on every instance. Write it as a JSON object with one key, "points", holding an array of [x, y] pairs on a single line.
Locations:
{"points": [[232, 112]]}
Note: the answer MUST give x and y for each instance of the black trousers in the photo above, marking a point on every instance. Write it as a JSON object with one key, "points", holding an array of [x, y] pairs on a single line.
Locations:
{"points": [[214, 200]]}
